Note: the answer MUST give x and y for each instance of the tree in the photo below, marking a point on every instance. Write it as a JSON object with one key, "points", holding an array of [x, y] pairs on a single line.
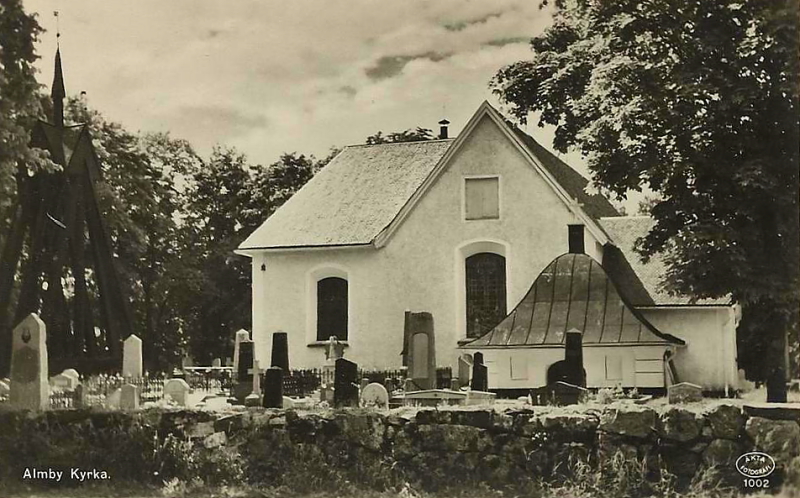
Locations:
{"points": [[19, 103], [416, 135], [698, 101]]}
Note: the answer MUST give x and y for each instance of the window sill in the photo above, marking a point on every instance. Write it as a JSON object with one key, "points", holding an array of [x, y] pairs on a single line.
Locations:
{"points": [[322, 344]]}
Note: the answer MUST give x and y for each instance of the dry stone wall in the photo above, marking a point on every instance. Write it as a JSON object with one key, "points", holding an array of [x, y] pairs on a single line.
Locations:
{"points": [[439, 447]]}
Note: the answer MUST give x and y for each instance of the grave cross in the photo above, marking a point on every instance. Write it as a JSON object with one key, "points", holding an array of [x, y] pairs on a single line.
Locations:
{"points": [[256, 373]]}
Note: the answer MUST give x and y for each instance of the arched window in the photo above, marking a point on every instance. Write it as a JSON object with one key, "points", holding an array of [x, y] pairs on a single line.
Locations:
{"points": [[332, 308], [485, 279]]}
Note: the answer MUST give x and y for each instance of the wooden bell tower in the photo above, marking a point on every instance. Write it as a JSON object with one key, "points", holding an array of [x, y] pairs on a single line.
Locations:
{"points": [[58, 227]]}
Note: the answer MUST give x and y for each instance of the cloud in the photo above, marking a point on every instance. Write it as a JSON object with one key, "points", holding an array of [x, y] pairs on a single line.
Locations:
{"points": [[392, 65], [460, 25], [268, 76]]}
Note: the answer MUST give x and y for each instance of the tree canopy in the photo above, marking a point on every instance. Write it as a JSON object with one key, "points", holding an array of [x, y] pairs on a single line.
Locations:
{"points": [[698, 101], [411, 135]]}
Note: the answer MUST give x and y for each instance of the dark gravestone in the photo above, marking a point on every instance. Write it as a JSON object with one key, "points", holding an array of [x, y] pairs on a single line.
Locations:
{"points": [[345, 384], [244, 375], [421, 350], [573, 359], [280, 350], [480, 374], [273, 388]]}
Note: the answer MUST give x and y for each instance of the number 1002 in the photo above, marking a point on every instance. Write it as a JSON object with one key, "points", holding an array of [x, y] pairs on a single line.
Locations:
{"points": [[756, 483]]}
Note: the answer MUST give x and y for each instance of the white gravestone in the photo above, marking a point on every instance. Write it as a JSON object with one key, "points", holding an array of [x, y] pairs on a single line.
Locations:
{"points": [[129, 397], [64, 382], [375, 395], [178, 390], [254, 398], [29, 386], [685, 392], [132, 357], [241, 335]]}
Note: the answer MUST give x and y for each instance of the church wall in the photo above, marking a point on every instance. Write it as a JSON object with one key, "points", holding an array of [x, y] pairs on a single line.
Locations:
{"points": [[421, 267], [709, 358], [527, 367]]}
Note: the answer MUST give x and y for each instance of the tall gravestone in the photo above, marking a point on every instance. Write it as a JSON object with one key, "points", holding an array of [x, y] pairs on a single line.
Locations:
{"points": [[273, 388], [573, 359], [132, 357], [345, 384], [421, 349], [29, 381], [480, 374], [241, 335], [244, 384], [280, 351], [464, 367]]}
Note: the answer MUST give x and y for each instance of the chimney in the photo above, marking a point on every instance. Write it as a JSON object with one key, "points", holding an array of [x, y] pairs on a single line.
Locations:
{"points": [[443, 128], [576, 239]]}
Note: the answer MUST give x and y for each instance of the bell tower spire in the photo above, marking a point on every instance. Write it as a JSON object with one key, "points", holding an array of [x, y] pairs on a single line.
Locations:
{"points": [[58, 93]]}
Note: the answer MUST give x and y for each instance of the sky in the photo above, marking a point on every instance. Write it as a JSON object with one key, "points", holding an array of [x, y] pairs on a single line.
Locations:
{"points": [[268, 77]]}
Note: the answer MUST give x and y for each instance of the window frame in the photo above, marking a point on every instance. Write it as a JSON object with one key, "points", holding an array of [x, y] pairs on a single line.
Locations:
{"points": [[461, 253], [313, 276], [464, 181], [338, 296]]}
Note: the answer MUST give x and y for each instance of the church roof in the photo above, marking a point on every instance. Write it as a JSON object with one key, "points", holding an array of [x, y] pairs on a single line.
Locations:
{"points": [[573, 292], [641, 281], [355, 198], [352, 199]]}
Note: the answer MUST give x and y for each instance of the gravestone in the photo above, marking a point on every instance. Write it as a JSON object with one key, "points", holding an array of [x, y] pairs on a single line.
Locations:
{"points": [[273, 388], [244, 384], [29, 387], [254, 398], [464, 367], [421, 349], [78, 397], [345, 384], [375, 395], [326, 395], [216, 362], [241, 335], [178, 390], [573, 359], [685, 392], [280, 351], [113, 400], [480, 374], [132, 357], [129, 397], [334, 349], [64, 382]]}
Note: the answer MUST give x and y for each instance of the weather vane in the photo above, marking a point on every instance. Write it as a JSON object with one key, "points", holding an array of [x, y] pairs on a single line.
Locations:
{"points": [[58, 28]]}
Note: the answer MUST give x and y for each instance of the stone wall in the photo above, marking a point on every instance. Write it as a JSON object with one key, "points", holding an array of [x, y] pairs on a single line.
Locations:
{"points": [[435, 448]]}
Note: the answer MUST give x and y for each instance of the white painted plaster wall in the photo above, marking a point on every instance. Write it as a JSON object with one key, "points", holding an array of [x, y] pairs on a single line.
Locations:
{"points": [[420, 269], [709, 358], [537, 360]]}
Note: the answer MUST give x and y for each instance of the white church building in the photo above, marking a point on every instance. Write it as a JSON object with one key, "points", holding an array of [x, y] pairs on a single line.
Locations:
{"points": [[498, 240]]}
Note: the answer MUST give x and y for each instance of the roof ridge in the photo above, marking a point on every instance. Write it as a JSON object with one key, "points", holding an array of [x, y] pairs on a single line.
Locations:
{"points": [[436, 140]]}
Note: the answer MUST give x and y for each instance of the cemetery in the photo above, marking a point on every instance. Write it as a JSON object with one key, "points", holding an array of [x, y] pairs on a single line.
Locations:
{"points": [[418, 427]]}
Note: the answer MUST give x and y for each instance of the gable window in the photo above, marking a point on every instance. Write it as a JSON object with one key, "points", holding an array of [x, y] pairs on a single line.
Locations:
{"points": [[332, 308], [482, 198], [485, 278]]}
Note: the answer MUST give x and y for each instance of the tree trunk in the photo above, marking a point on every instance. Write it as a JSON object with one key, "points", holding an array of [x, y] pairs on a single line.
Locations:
{"points": [[776, 359]]}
